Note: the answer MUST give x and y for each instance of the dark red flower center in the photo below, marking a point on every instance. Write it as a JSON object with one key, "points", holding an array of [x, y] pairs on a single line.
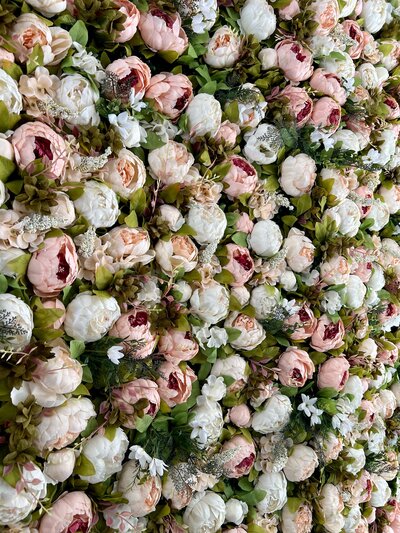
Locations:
{"points": [[182, 101], [244, 165], [138, 319], [390, 310], [43, 148], [78, 524], [169, 21], [304, 112], [391, 103], [246, 463], [173, 382], [352, 32], [188, 335], [303, 315], [296, 374], [63, 269], [151, 409], [334, 116], [131, 79], [344, 378], [331, 331], [243, 259], [297, 50]]}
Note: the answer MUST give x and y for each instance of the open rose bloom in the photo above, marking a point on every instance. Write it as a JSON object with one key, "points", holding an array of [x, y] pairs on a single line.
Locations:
{"points": [[200, 266]]}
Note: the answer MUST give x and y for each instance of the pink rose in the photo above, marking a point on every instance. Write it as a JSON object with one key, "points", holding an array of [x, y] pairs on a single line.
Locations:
{"points": [[135, 326], [333, 373], [55, 304], [326, 114], [131, 22], [171, 93], [329, 84], [54, 266], [245, 454], [294, 60], [389, 314], [240, 264], [393, 107], [227, 133], [303, 323], [135, 399], [327, 335], [297, 103], [361, 265], [295, 367], [129, 244], [290, 11], [364, 192], [177, 346], [35, 140], [241, 178], [130, 73], [162, 32], [360, 128], [388, 352], [125, 174], [369, 409], [353, 30], [175, 385], [244, 223], [69, 514], [6, 56], [142, 494], [240, 415], [326, 15]]}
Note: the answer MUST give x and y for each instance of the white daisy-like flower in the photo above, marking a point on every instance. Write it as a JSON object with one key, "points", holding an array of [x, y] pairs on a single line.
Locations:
{"points": [[115, 353]]}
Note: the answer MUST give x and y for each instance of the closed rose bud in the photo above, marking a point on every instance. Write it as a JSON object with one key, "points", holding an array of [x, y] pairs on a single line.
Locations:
{"points": [[135, 399], [257, 18], [60, 465], [174, 384], [227, 133], [333, 373], [162, 32], [294, 60], [199, 122], [240, 415], [170, 93], [135, 326], [223, 49], [243, 459], [301, 463], [295, 367], [290, 11], [268, 58], [265, 238]]}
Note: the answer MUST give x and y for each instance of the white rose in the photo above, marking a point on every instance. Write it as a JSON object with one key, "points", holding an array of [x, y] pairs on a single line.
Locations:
{"points": [[348, 139], [264, 299], [253, 112], [263, 144], [339, 187], [347, 217], [171, 216], [223, 49], [59, 465], [386, 404], [9, 93], [128, 128], [348, 6], [241, 294], [61, 425], [204, 115], [171, 162], [273, 416], [125, 174], [353, 520], [142, 493], [207, 422], [374, 13], [106, 454], [16, 504], [331, 506], [257, 18], [128, 245], [205, 512], [251, 332], [210, 303], [391, 197], [6, 257], [29, 30], [233, 366], [301, 463], [331, 302], [381, 491], [354, 293], [353, 387], [208, 221], [78, 95], [377, 280], [368, 76], [89, 317], [120, 517], [335, 270], [356, 457], [300, 250], [343, 67], [18, 318], [178, 253], [380, 214], [98, 204], [275, 485], [268, 58], [395, 388], [265, 238], [292, 521], [48, 8], [236, 511], [184, 289], [298, 175], [288, 281], [368, 349], [389, 49]]}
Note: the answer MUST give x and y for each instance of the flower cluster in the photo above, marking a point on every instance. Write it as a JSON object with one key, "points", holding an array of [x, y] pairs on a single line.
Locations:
{"points": [[200, 266]]}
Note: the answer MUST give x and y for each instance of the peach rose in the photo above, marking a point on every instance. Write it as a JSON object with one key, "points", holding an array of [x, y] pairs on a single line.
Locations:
{"points": [[303, 323], [335, 270], [130, 245], [125, 173], [55, 304], [135, 325], [353, 30], [243, 459], [54, 266], [178, 253], [240, 264], [327, 335], [326, 114], [329, 84], [171, 93], [162, 32], [35, 140], [326, 15], [333, 373], [177, 346], [174, 384], [72, 512], [131, 22], [294, 60], [295, 367], [241, 177], [27, 32], [130, 73], [142, 494], [135, 399], [297, 103]]}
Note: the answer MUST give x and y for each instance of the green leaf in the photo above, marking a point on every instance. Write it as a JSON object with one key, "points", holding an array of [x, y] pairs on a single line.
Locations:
{"points": [[210, 87], [84, 467], [110, 432], [169, 56], [225, 277], [132, 220], [43, 318], [103, 277], [289, 220], [302, 204], [3, 284], [7, 412], [79, 33], [293, 504], [252, 498], [15, 186], [142, 424], [254, 528], [327, 392], [46, 334], [152, 142], [7, 167], [81, 390], [20, 264], [12, 69], [240, 238], [138, 201], [245, 484], [76, 348], [170, 193], [233, 334], [288, 391], [75, 192], [7, 120], [35, 59]]}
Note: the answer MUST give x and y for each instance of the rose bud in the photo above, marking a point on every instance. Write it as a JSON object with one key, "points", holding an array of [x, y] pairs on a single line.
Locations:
{"points": [[301, 463], [227, 133], [240, 415], [131, 21], [260, 244], [268, 58], [303, 323], [177, 346], [54, 266], [178, 253], [251, 332], [295, 367], [290, 11], [328, 335], [325, 15], [243, 458], [170, 163], [170, 93], [199, 122], [240, 264], [297, 103], [333, 373], [135, 399], [223, 49], [125, 173], [241, 177], [326, 114], [294, 60], [208, 221], [35, 140], [329, 84], [135, 325], [60, 465], [131, 74], [162, 32], [298, 174], [300, 250], [72, 512], [174, 384]]}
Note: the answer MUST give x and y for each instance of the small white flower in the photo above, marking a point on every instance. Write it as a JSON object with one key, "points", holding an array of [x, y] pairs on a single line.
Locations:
{"points": [[138, 453], [157, 467], [307, 405], [149, 292], [87, 62], [218, 337], [214, 388], [115, 353], [129, 129]]}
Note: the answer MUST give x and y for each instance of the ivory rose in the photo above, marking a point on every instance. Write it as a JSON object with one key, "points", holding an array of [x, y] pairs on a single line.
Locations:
{"points": [[251, 332], [178, 253], [170, 163], [298, 174], [223, 49], [125, 173]]}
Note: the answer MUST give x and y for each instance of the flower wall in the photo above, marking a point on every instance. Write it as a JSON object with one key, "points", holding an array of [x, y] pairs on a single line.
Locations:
{"points": [[200, 266]]}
